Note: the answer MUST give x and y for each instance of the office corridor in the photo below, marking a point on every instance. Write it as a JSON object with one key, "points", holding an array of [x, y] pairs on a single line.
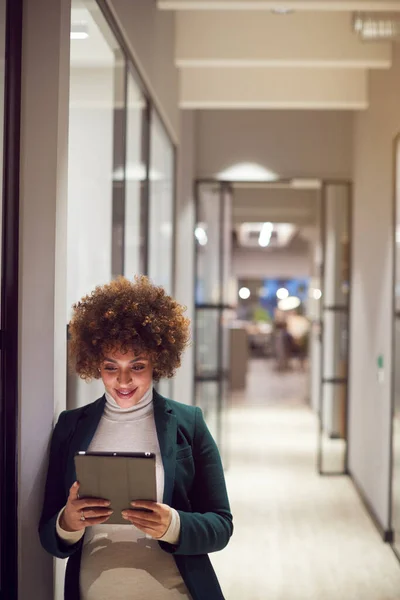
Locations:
{"points": [[297, 536]]}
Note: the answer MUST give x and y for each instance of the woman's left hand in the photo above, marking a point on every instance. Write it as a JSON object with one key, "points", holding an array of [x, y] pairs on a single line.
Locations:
{"points": [[154, 523]]}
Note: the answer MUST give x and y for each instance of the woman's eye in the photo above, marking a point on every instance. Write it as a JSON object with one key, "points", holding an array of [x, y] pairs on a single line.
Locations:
{"points": [[138, 367], [109, 368]]}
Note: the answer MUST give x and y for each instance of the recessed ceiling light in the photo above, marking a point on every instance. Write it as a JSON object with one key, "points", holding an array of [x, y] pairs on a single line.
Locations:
{"points": [[244, 293], [79, 30], [282, 10]]}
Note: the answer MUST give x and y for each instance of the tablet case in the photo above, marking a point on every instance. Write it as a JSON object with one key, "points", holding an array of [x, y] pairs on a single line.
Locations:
{"points": [[118, 477]]}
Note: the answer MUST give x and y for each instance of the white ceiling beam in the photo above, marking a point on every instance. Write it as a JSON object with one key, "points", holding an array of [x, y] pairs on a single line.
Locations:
{"points": [[298, 5], [273, 88], [234, 39]]}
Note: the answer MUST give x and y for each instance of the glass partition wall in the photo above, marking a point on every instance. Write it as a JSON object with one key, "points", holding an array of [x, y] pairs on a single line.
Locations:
{"points": [[161, 215], [334, 328], [120, 175], [396, 361], [212, 306]]}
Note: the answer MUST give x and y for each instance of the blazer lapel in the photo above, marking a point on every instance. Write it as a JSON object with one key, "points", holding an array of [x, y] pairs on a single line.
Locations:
{"points": [[83, 434], [166, 426]]}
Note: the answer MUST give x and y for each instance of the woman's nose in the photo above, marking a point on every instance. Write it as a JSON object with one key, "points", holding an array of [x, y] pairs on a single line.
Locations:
{"points": [[124, 377]]}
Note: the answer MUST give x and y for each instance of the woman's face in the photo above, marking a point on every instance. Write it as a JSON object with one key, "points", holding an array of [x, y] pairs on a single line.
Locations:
{"points": [[126, 377]]}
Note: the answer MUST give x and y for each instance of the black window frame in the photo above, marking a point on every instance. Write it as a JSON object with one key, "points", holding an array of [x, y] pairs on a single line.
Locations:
{"points": [[9, 304]]}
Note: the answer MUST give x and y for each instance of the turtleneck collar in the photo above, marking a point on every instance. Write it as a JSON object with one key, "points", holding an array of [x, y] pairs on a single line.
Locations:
{"points": [[114, 412]]}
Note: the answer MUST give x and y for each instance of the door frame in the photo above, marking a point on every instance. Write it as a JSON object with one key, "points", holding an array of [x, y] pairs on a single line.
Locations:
{"points": [[391, 537], [324, 308], [9, 303], [323, 183]]}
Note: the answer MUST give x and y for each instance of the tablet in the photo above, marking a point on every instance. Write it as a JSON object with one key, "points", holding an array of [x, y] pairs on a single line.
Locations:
{"points": [[119, 477]]}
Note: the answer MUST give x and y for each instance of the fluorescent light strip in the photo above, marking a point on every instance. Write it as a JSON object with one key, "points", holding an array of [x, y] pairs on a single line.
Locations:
{"points": [[265, 235], [79, 35]]}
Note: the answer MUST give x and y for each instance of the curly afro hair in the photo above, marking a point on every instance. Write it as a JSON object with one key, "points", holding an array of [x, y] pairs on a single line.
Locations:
{"points": [[125, 316]]}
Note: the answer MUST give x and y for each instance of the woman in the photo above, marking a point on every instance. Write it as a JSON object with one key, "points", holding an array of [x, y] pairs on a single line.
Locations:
{"points": [[131, 334]]}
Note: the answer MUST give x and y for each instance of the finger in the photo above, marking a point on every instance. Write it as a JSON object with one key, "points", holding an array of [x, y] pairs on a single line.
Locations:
{"points": [[93, 514], [149, 530], [97, 521], [74, 491], [153, 526], [90, 503], [153, 506], [129, 514]]}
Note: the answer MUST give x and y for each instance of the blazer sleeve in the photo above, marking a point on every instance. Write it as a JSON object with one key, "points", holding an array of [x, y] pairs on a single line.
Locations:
{"points": [[55, 496], [209, 527]]}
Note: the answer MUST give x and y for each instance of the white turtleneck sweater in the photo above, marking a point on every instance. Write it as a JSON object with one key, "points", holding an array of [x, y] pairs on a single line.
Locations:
{"points": [[120, 561]]}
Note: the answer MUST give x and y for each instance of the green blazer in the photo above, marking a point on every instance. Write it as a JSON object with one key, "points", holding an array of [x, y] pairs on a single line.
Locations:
{"points": [[194, 486]]}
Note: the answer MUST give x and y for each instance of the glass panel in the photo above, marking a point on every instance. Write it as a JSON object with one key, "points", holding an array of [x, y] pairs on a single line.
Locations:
{"points": [[207, 393], [335, 295], [333, 427], [96, 137], [135, 180], [336, 344], [207, 342], [161, 205], [164, 387], [336, 280], [208, 236], [229, 287], [224, 439], [118, 191]]}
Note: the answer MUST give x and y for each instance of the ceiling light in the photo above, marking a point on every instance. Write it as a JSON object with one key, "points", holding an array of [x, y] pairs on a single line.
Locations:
{"points": [[247, 172], [265, 235], [201, 235], [282, 293], [282, 10], [244, 293], [377, 26], [317, 294], [79, 30]]}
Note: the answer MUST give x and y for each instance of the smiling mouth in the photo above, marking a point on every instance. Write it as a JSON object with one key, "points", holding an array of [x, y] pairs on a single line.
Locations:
{"points": [[125, 393]]}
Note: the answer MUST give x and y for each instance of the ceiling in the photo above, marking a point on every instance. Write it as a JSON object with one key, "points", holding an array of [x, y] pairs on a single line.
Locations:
{"points": [[245, 54]]}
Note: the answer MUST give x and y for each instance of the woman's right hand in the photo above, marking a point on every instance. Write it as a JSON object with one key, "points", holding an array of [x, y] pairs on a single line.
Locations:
{"points": [[95, 511]]}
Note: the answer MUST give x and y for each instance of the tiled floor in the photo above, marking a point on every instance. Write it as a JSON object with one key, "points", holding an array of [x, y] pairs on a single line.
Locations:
{"points": [[297, 536]]}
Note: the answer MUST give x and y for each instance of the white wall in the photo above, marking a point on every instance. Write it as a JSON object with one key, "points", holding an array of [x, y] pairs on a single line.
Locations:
{"points": [[371, 306], [290, 143], [256, 264], [150, 34], [42, 277]]}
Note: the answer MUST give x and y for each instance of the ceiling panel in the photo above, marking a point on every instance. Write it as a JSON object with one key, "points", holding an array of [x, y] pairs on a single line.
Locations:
{"points": [[234, 39], [254, 205], [298, 5], [274, 88]]}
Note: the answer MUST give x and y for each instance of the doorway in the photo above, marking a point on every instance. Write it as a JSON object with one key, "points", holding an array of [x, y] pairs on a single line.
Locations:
{"points": [[216, 294]]}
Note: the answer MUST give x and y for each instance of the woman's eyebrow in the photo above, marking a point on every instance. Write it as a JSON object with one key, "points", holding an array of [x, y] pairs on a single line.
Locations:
{"points": [[132, 361]]}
